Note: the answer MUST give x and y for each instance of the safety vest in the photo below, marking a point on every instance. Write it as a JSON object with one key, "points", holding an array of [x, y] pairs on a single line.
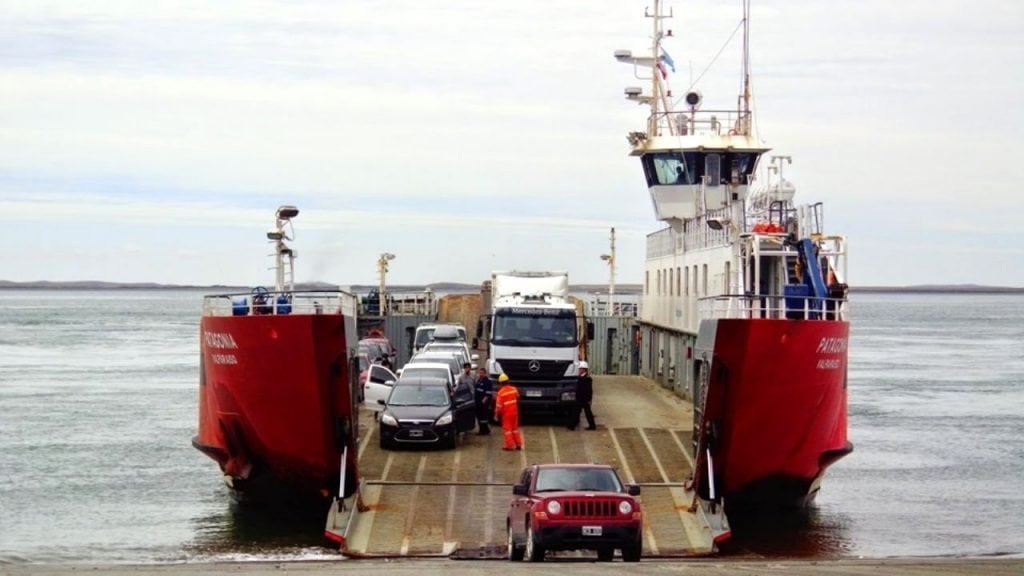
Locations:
{"points": [[507, 396]]}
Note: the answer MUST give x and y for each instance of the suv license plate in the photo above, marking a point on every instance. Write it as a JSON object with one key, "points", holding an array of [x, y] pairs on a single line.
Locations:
{"points": [[534, 393], [591, 530]]}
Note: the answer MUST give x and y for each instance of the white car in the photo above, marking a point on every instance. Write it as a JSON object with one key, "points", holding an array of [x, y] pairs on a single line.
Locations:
{"points": [[378, 384], [452, 347], [425, 333], [429, 369]]}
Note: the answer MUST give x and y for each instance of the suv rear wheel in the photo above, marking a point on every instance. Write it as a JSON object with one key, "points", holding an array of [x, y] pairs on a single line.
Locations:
{"points": [[515, 553]]}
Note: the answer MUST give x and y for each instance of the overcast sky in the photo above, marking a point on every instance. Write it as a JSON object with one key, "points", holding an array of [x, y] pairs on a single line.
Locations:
{"points": [[152, 141]]}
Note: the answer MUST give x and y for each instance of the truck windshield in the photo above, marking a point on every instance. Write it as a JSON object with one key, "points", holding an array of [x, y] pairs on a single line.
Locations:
{"points": [[423, 336], [535, 327]]}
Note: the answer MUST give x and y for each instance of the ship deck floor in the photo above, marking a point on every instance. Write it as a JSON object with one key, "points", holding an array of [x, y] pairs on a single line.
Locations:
{"points": [[454, 502]]}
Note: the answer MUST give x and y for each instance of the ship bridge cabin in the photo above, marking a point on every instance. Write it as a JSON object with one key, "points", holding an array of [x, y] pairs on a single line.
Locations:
{"points": [[686, 183]]}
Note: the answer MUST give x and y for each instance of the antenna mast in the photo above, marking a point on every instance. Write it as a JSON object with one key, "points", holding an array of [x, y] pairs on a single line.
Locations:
{"points": [[658, 90], [746, 57]]}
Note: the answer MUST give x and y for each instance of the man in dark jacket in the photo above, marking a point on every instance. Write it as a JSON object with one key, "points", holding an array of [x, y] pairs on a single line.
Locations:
{"points": [[584, 395], [483, 395]]}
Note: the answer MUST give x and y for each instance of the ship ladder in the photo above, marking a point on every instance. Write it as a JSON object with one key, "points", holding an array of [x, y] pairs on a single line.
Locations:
{"points": [[702, 439]]}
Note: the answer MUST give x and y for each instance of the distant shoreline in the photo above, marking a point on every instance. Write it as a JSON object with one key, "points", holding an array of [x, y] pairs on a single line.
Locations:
{"points": [[626, 289]]}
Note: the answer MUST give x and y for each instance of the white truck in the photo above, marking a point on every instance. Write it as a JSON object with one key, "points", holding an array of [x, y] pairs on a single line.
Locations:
{"points": [[532, 335]]}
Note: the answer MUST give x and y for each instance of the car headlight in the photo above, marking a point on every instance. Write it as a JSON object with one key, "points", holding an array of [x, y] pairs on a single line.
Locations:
{"points": [[445, 419], [554, 507], [388, 419], [625, 507]]}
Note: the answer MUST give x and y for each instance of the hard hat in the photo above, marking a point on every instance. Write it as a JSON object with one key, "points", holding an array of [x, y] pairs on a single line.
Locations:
{"points": [[503, 377], [584, 365]]}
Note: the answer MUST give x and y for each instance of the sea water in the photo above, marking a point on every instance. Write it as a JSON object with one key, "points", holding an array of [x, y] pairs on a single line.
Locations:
{"points": [[98, 400]]}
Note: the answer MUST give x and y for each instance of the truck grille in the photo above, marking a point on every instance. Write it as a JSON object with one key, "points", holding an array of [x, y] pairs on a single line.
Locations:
{"points": [[519, 370], [589, 508]]}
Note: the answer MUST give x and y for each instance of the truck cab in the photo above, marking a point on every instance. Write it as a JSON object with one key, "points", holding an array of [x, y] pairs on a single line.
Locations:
{"points": [[533, 337]]}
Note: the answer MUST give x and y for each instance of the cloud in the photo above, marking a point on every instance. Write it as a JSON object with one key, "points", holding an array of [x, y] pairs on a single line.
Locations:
{"points": [[457, 127]]}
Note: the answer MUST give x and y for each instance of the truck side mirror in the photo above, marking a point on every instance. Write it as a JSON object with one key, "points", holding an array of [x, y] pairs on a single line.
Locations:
{"points": [[633, 490], [519, 490], [590, 330]]}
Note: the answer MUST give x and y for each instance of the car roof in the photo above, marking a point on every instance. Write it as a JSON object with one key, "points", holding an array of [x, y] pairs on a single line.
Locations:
{"points": [[419, 365], [447, 331], [422, 381], [575, 466], [439, 355]]}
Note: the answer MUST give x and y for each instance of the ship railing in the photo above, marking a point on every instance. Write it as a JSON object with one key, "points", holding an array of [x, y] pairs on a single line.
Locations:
{"points": [[422, 303], [280, 303], [759, 306], [661, 243], [700, 123], [618, 305], [697, 234]]}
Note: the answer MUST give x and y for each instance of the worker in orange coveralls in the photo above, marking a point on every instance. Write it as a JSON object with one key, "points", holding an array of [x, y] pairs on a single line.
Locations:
{"points": [[506, 408]]}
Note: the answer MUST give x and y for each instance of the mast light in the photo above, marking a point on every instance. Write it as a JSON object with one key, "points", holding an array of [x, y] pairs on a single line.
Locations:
{"points": [[287, 212]]}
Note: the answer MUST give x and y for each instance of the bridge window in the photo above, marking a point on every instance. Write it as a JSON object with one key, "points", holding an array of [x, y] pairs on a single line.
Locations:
{"points": [[688, 168]]}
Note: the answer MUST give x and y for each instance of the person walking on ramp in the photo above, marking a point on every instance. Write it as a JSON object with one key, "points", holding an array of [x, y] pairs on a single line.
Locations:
{"points": [[484, 397], [506, 408], [584, 396]]}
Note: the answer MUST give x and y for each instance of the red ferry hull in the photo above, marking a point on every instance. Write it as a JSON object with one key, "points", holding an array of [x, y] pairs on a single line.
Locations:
{"points": [[275, 403], [777, 405]]}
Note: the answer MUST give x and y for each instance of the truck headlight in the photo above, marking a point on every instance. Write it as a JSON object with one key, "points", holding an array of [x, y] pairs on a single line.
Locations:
{"points": [[625, 508], [494, 368], [573, 369], [388, 419], [554, 507], [568, 396], [445, 419]]}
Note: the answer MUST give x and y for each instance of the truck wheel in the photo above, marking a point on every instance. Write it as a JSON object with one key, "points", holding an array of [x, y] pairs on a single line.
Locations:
{"points": [[605, 554], [534, 551], [515, 553]]}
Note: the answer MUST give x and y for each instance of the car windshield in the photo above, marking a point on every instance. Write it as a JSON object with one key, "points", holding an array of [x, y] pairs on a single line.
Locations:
{"points": [[577, 479], [411, 395]]}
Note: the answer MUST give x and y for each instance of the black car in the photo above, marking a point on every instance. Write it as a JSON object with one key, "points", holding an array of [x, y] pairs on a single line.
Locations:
{"points": [[424, 411]]}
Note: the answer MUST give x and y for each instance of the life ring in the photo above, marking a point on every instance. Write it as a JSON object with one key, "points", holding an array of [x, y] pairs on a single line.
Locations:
{"points": [[733, 132]]}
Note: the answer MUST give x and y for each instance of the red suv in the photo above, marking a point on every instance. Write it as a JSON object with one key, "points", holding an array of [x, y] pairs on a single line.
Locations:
{"points": [[574, 507]]}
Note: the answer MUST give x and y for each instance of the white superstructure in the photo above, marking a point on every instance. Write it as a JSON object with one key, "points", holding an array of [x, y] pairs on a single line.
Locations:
{"points": [[701, 170]]}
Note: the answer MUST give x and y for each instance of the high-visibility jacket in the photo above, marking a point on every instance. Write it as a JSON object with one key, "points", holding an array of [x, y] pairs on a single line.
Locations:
{"points": [[507, 401]]}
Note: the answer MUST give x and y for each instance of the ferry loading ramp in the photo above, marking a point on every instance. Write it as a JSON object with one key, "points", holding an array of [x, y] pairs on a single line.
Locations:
{"points": [[453, 503]]}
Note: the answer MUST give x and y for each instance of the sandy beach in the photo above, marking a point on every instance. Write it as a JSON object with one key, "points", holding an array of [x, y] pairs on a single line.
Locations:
{"points": [[414, 567]]}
